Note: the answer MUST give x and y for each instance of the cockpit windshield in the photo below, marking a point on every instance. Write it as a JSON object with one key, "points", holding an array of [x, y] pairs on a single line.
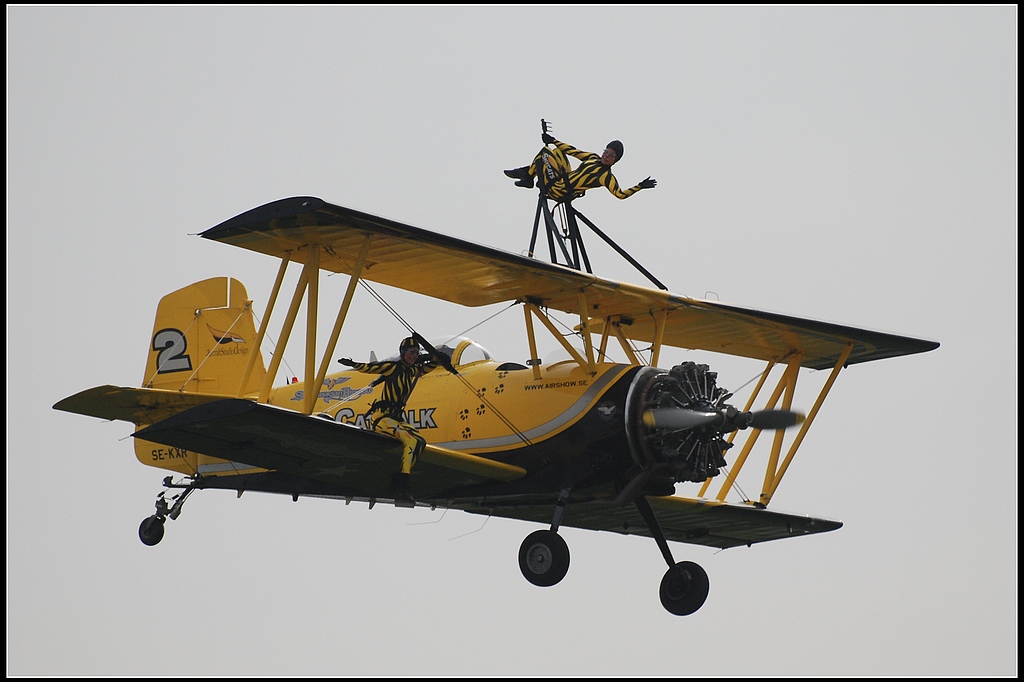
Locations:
{"points": [[462, 351]]}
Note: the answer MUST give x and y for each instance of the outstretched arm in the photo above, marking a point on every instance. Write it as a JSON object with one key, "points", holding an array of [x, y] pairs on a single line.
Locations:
{"points": [[366, 367], [609, 181]]}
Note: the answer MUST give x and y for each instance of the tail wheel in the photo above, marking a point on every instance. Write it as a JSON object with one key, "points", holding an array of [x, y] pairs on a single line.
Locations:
{"points": [[544, 558], [151, 530], [684, 589]]}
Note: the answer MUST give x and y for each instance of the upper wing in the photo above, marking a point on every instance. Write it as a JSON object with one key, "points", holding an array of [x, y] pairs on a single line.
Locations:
{"points": [[409, 258], [694, 521], [351, 460]]}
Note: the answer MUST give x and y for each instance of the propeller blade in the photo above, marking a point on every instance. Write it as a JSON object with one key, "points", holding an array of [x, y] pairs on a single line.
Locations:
{"points": [[678, 418], [775, 419]]}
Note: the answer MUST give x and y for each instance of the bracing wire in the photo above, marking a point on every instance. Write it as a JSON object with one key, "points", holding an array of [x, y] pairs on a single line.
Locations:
{"points": [[466, 331], [394, 313], [273, 343]]}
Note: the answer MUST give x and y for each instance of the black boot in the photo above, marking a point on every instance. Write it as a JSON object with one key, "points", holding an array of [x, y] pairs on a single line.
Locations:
{"points": [[401, 489], [525, 182], [521, 173]]}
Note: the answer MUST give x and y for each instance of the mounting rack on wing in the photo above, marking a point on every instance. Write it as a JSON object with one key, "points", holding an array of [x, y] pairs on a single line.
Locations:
{"points": [[561, 185]]}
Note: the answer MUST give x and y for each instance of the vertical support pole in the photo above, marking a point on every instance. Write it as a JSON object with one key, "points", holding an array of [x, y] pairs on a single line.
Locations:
{"points": [[588, 342], [536, 223], [580, 360], [752, 438], [789, 378], [286, 330], [807, 422], [626, 348], [738, 464], [660, 320], [602, 350], [534, 360], [258, 344], [332, 343], [311, 389]]}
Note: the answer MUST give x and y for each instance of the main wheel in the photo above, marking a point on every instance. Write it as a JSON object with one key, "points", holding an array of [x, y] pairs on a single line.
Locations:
{"points": [[544, 558], [151, 530], [684, 588]]}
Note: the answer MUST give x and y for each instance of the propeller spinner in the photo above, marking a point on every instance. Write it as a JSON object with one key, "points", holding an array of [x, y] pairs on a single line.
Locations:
{"points": [[725, 420]]}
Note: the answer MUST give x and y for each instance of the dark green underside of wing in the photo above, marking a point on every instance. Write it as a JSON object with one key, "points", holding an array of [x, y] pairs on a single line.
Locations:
{"points": [[681, 519]]}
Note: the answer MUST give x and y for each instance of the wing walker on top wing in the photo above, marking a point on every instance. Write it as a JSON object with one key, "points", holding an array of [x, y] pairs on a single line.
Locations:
{"points": [[561, 219]]}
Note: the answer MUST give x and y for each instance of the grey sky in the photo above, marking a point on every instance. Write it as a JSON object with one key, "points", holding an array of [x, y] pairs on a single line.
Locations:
{"points": [[848, 164]]}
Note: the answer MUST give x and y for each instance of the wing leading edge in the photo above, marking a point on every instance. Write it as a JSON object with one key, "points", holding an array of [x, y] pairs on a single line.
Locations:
{"points": [[410, 257]]}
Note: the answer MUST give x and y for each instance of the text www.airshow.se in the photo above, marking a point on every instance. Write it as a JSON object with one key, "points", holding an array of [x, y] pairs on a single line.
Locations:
{"points": [[556, 384]]}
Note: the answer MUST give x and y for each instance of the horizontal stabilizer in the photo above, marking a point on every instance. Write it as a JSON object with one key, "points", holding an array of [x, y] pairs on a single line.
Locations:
{"points": [[135, 405]]}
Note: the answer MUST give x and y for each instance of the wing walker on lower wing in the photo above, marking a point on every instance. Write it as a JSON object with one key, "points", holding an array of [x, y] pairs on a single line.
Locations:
{"points": [[588, 443]]}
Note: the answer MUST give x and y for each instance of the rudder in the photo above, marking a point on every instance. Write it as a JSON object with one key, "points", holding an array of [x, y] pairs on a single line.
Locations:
{"points": [[203, 339]]}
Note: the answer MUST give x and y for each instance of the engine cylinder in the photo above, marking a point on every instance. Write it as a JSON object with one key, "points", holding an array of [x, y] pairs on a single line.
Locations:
{"points": [[694, 453]]}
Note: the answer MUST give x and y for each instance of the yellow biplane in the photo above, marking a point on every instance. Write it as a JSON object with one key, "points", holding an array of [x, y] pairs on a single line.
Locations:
{"points": [[584, 442]]}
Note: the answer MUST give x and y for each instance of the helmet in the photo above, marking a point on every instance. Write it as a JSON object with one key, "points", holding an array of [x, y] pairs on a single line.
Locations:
{"points": [[616, 147], [408, 343]]}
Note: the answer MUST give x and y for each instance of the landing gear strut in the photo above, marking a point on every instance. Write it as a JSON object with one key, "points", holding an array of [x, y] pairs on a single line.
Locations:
{"points": [[544, 556], [684, 589], [151, 530]]}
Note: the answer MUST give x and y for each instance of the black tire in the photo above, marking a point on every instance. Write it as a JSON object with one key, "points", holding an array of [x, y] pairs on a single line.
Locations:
{"points": [[684, 589], [544, 558], [151, 530]]}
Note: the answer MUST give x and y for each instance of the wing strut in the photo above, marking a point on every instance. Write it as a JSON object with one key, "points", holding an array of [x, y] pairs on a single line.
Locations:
{"points": [[732, 436], [787, 380], [312, 306], [308, 286], [785, 390], [342, 314], [266, 321], [588, 342], [773, 484], [534, 361], [310, 269], [616, 328], [532, 308]]}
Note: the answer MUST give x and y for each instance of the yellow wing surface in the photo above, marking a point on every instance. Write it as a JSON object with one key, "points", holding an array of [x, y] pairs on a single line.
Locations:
{"points": [[409, 258]]}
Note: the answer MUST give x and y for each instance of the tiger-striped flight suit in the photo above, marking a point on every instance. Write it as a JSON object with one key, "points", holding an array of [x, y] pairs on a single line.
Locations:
{"points": [[387, 415], [551, 168]]}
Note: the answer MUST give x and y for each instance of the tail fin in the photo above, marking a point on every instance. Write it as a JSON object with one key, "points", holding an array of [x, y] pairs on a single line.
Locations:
{"points": [[203, 340]]}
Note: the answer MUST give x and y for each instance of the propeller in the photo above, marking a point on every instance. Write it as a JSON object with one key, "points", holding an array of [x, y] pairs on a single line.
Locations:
{"points": [[679, 418], [774, 419], [678, 426]]}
